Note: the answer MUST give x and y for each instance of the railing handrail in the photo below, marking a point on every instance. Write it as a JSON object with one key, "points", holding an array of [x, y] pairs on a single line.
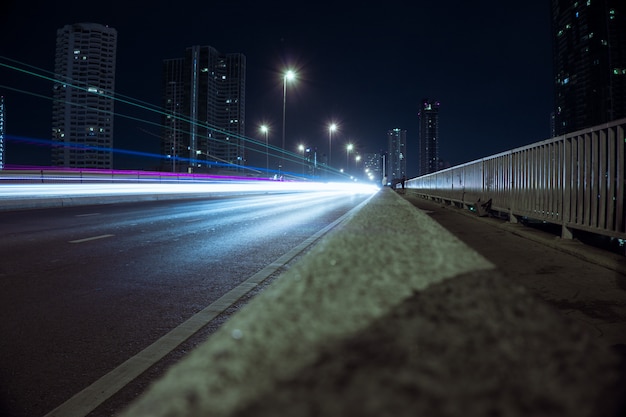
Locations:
{"points": [[576, 180]]}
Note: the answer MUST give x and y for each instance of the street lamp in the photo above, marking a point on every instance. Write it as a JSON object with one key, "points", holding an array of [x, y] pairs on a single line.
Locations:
{"points": [[266, 130], [349, 148], [331, 128], [289, 75], [301, 148]]}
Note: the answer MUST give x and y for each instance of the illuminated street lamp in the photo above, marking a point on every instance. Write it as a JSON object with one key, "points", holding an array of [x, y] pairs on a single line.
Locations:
{"points": [[266, 130], [289, 75], [349, 148], [331, 128], [302, 148]]}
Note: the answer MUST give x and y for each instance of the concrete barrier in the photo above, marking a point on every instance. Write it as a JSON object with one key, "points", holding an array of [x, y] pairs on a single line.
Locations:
{"points": [[390, 315]]}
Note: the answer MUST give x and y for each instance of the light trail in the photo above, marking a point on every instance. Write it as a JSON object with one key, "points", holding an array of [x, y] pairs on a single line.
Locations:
{"points": [[77, 189], [253, 145]]}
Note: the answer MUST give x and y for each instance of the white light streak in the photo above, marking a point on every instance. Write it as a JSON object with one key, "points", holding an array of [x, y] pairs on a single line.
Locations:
{"points": [[71, 190]]}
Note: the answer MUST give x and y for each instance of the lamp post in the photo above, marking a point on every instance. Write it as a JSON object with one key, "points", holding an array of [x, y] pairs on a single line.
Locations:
{"points": [[301, 148], [289, 75], [331, 128], [266, 130], [349, 148]]}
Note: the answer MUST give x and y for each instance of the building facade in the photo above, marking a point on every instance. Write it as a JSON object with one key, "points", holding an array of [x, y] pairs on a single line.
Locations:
{"points": [[2, 119], [372, 166], [173, 145], [589, 51], [396, 155], [83, 96], [204, 106], [429, 137]]}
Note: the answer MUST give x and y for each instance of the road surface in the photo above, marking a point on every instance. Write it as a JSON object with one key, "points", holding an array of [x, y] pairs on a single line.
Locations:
{"points": [[84, 289]]}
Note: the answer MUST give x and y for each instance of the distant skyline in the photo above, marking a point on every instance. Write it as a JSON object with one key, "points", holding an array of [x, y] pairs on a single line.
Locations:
{"points": [[367, 68]]}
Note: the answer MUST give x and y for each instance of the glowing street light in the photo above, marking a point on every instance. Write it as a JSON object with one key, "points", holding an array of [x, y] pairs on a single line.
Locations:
{"points": [[331, 128], [302, 148], [349, 148], [266, 130], [289, 75]]}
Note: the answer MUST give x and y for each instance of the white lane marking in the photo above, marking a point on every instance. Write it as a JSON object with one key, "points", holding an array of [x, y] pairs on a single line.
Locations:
{"points": [[87, 239], [88, 214], [104, 388]]}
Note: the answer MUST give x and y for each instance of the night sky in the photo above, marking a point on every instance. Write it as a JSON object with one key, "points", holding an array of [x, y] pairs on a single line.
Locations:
{"points": [[366, 66]]}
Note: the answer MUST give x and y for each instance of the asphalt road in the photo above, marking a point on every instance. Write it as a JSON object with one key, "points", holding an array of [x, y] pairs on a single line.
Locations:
{"points": [[83, 289]]}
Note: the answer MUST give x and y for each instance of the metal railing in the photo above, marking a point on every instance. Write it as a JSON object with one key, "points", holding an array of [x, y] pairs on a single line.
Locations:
{"points": [[576, 180]]}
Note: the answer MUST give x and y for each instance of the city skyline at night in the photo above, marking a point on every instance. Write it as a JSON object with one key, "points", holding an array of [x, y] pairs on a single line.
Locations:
{"points": [[351, 69]]}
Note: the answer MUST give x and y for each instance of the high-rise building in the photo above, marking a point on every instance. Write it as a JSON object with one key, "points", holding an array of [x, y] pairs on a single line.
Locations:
{"points": [[173, 145], [204, 102], [83, 96], [589, 51], [1, 132], [429, 137], [396, 156], [372, 166]]}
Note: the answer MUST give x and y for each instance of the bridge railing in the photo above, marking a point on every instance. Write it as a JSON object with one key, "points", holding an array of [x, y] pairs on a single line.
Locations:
{"points": [[576, 180]]}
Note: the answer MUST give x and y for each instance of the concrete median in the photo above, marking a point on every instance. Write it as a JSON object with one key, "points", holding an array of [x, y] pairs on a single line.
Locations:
{"points": [[391, 315]]}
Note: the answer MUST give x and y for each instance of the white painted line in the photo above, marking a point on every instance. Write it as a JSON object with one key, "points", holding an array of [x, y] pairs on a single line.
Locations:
{"points": [[87, 215], [91, 397], [91, 238]]}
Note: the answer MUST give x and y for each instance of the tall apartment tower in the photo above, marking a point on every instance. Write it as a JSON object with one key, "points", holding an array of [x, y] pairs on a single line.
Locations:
{"points": [[204, 106], [429, 137], [82, 109], [589, 52], [2, 132], [372, 166], [396, 156]]}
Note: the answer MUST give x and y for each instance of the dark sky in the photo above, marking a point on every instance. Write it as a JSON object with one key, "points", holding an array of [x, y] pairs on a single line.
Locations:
{"points": [[366, 65]]}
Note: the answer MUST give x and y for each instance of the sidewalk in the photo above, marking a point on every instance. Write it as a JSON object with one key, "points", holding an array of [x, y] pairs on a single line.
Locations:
{"points": [[391, 315], [584, 283]]}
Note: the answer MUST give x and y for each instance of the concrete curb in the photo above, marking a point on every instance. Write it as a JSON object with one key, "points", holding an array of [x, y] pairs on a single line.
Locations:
{"points": [[264, 361]]}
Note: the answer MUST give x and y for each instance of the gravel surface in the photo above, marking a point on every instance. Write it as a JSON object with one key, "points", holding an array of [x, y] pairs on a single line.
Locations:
{"points": [[444, 352]]}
